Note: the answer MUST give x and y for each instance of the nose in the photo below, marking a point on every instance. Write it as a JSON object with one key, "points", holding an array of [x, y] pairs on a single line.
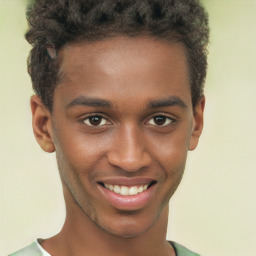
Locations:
{"points": [[128, 150]]}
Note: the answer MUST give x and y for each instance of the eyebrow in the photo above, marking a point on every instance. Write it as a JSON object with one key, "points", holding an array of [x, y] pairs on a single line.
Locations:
{"points": [[91, 102], [96, 102], [167, 102]]}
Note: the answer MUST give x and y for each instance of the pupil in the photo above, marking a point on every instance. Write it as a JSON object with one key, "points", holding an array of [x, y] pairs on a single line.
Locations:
{"points": [[95, 120], [160, 120]]}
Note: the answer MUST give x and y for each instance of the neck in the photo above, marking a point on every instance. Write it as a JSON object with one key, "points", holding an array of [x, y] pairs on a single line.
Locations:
{"points": [[81, 236]]}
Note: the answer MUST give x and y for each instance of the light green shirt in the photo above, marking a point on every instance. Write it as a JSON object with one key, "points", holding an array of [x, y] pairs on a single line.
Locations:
{"points": [[34, 250]]}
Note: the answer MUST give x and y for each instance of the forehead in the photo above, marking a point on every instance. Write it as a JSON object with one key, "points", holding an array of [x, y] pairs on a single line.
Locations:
{"points": [[124, 66]]}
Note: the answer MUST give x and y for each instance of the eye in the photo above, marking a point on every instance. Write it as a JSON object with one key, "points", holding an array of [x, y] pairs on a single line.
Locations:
{"points": [[96, 121], [160, 120]]}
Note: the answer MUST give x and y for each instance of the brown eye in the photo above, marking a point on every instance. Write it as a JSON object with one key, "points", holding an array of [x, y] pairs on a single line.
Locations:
{"points": [[95, 121], [160, 121]]}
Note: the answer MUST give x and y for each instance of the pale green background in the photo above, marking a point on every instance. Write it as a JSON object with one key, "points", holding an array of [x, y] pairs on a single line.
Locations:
{"points": [[213, 211]]}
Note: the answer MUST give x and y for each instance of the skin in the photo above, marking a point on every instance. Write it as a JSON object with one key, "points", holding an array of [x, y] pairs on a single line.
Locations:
{"points": [[143, 129]]}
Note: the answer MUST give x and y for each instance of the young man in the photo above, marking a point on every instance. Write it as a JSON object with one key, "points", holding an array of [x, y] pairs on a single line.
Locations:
{"points": [[119, 98]]}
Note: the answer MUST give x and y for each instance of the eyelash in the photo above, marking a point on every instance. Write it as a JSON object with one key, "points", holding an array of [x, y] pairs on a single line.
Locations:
{"points": [[101, 118], [165, 118], [86, 120]]}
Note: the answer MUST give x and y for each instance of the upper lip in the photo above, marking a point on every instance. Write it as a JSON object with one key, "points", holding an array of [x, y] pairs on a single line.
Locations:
{"points": [[135, 181]]}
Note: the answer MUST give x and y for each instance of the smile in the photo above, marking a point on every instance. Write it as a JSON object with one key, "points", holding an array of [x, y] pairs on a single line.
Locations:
{"points": [[125, 190], [127, 194]]}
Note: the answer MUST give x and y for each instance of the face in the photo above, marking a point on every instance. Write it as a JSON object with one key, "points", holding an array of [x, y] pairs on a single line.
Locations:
{"points": [[121, 125]]}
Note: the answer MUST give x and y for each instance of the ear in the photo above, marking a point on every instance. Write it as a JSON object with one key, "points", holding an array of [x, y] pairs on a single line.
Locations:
{"points": [[198, 122], [42, 124]]}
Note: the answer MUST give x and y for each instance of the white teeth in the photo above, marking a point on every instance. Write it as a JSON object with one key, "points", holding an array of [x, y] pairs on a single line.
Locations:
{"points": [[126, 191], [134, 191], [117, 189], [140, 189]]}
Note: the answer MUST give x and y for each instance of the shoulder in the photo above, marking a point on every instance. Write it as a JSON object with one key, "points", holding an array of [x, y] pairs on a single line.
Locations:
{"points": [[33, 250], [30, 250], [181, 250]]}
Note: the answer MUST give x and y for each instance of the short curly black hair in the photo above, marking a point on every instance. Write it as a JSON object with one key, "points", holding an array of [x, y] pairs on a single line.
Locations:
{"points": [[54, 23]]}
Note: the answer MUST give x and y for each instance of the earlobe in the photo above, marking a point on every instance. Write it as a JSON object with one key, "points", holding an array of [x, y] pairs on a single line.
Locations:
{"points": [[42, 124], [198, 122]]}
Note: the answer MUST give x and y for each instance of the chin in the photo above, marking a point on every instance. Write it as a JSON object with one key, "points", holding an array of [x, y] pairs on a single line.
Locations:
{"points": [[127, 231], [129, 226]]}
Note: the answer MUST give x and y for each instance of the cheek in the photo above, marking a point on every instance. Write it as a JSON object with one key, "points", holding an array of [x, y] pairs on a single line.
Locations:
{"points": [[77, 157], [78, 149], [171, 154], [171, 150], [174, 161]]}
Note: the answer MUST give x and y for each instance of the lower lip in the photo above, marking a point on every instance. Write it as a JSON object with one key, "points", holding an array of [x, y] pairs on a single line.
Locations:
{"points": [[129, 203]]}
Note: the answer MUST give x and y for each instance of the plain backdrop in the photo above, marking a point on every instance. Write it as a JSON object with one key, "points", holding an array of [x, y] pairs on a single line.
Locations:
{"points": [[213, 211]]}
